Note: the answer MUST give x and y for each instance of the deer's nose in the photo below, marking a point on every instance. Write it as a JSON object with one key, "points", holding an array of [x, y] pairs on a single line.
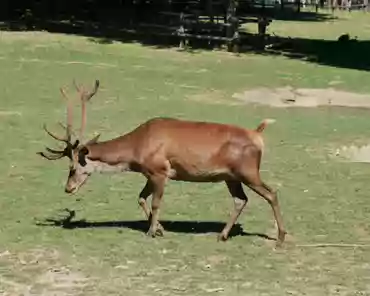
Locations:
{"points": [[68, 190]]}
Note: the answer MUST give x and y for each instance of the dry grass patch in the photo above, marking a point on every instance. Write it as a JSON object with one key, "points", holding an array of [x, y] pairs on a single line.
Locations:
{"points": [[285, 97]]}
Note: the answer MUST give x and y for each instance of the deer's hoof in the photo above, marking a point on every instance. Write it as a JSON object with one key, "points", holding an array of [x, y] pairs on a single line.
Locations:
{"points": [[222, 237], [281, 238], [160, 227], [151, 232], [159, 231]]}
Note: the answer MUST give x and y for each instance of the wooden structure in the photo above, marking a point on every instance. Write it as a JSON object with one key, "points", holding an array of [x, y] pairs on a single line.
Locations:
{"points": [[212, 20], [202, 19], [216, 21]]}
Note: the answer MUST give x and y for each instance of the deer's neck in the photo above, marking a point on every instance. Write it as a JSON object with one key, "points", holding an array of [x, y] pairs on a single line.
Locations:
{"points": [[103, 167], [115, 155]]}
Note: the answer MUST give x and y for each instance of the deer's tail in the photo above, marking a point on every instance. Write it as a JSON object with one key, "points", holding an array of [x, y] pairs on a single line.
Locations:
{"points": [[263, 124]]}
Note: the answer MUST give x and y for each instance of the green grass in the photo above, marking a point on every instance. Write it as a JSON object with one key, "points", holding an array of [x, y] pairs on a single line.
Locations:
{"points": [[322, 201]]}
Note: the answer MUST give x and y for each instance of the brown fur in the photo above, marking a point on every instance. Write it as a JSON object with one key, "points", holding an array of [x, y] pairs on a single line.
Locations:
{"points": [[166, 148], [172, 143]]}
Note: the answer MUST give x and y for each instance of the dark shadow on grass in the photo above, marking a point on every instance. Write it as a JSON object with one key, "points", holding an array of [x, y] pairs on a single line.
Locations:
{"points": [[144, 23], [127, 27], [126, 22], [351, 54], [101, 33], [194, 227], [343, 51], [289, 13]]}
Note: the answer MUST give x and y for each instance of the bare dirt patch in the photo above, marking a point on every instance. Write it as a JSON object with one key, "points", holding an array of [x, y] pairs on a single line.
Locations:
{"points": [[38, 272], [286, 97], [212, 97], [353, 153]]}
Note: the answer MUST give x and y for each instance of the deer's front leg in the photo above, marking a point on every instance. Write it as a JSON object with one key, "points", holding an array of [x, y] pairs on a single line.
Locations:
{"points": [[143, 196], [158, 183]]}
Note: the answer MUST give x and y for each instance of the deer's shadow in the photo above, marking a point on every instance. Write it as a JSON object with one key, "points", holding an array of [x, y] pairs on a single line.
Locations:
{"points": [[194, 227]]}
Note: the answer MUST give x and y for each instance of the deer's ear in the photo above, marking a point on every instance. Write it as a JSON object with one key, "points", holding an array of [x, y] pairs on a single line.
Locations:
{"points": [[93, 140], [82, 156]]}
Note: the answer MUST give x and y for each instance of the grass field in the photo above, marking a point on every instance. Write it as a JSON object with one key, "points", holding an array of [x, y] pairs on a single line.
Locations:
{"points": [[105, 252]]}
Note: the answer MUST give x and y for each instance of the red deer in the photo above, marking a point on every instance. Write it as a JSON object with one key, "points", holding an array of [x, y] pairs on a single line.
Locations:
{"points": [[165, 149]]}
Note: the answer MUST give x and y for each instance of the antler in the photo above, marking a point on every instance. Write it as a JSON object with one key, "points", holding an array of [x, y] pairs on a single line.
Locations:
{"points": [[85, 97], [68, 128], [56, 137], [69, 114], [53, 154]]}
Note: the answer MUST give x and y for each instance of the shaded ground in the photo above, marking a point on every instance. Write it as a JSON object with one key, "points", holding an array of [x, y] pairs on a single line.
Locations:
{"points": [[194, 227], [322, 50], [122, 30], [352, 54]]}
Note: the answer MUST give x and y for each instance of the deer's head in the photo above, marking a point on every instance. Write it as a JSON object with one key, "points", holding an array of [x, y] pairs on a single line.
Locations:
{"points": [[80, 167]]}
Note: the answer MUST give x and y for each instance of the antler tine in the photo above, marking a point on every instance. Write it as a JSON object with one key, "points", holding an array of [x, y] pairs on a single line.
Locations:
{"points": [[54, 151], [69, 114], [62, 139], [50, 157], [85, 97], [88, 96], [78, 88], [65, 128]]}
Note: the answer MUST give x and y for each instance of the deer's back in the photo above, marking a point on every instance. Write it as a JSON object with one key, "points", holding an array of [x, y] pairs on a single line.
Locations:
{"points": [[195, 151]]}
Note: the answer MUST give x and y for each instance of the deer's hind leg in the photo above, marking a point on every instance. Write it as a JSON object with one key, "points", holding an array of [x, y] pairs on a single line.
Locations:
{"points": [[249, 174], [254, 182], [271, 197]]}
